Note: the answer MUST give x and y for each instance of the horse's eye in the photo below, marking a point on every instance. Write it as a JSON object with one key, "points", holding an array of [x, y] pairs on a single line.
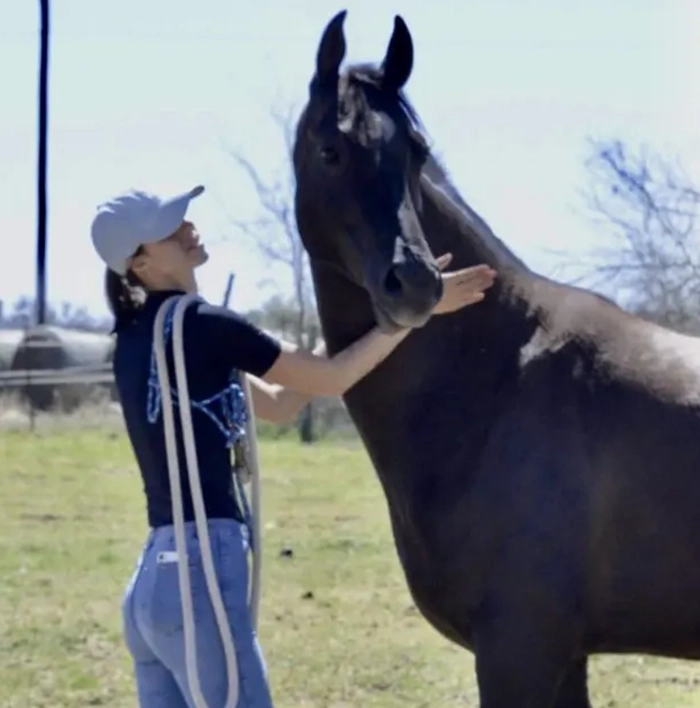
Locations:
{"points": [[330, 155]]}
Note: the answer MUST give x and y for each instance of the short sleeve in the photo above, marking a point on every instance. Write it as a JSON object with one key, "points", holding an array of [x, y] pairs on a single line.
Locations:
{"points": [[234, 342]]}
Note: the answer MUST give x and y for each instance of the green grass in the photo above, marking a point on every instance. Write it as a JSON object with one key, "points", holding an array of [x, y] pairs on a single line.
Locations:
{"points": [[337, 623]]}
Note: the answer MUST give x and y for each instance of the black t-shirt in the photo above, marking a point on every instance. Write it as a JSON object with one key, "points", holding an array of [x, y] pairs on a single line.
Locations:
{"points": [[216, 343]]}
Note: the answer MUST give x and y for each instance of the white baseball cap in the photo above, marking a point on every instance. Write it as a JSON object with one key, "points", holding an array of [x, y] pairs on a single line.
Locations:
{"points": [[133, 219]]}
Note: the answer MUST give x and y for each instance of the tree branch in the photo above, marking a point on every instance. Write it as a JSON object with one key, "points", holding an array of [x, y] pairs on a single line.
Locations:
{"points": [[650, 209], [274, 232]]}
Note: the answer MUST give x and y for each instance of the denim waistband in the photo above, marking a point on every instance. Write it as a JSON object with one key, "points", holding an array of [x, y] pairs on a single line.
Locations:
{"points": [[217, 527]]}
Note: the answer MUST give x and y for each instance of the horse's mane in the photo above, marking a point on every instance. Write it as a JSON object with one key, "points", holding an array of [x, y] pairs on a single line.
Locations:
{"points": [[353, 97]]}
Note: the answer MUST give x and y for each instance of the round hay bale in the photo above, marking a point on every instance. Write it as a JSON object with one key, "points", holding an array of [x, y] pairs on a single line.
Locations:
{"points": [[9, 341], [47, 347]]}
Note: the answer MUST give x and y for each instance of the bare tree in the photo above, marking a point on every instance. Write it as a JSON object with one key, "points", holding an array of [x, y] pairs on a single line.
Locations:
{"points": [[650, 208], [274, 232]]}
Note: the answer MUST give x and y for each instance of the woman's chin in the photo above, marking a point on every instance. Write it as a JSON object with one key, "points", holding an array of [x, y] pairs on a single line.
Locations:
{"points": [[200, 256]]}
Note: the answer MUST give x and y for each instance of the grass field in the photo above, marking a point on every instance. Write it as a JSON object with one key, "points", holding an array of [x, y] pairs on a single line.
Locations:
{"points": [[337, 623]]}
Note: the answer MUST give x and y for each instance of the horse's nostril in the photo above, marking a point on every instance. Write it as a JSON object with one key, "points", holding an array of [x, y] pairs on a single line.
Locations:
{"points": [[392, 284]]}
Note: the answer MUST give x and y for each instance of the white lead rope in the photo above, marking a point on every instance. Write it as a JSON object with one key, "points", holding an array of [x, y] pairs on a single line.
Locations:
{"points": [[198, 502]]}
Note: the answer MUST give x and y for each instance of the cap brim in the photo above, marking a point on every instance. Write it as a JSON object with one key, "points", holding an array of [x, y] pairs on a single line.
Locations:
{"points": [[172, 213]]}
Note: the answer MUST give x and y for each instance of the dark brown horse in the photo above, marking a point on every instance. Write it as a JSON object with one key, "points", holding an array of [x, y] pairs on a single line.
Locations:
{"points": [[540, 451]]}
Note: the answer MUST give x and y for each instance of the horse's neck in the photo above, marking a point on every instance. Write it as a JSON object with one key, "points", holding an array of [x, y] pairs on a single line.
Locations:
{"points": [[344, 308]]}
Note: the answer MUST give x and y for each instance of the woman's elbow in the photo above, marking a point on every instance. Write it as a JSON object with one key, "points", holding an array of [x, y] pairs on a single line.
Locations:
{"points": [[287, 407], [328, 391]]}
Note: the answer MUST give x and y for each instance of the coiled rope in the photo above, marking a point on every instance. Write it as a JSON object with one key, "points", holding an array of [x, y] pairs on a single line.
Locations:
{"points": [[247, 473]]}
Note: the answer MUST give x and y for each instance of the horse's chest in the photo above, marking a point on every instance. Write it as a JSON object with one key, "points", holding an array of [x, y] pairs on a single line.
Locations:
{"points": [[440, 555], [437, 582]]}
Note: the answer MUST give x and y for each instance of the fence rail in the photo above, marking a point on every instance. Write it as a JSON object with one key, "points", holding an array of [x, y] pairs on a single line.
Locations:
{"points": [[101, 374], [331, 414]]}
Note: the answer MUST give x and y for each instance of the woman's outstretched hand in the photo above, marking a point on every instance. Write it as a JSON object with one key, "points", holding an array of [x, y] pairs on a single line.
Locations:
{"points": [[462, 287]]}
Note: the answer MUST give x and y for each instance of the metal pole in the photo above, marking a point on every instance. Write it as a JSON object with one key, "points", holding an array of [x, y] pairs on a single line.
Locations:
{"points": [[229, 287], [41, 171]]}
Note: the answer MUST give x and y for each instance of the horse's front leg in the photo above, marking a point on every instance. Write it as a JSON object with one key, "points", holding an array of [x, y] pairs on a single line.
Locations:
{"points": [[527, 640]]}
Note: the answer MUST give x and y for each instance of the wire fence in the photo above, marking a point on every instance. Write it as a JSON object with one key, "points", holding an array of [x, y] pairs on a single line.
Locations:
{"points": [[74, 388], [29, 392]]}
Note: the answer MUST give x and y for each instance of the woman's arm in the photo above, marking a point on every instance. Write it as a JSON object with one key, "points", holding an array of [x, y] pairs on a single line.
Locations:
{"points": [[319, 376], [275, 403]]}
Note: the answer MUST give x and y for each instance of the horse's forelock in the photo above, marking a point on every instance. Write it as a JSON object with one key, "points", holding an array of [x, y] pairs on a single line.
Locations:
{"points": [[352, 87]]}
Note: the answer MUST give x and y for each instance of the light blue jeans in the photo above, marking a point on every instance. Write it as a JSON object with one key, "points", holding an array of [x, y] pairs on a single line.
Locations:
{"points": [[153, 622]]}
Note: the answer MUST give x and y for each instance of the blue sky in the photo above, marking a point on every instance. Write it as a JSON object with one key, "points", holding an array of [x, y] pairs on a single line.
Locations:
{"points": [[145, 93]]}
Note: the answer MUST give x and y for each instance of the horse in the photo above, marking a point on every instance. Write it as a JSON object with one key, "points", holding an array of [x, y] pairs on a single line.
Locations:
{"points": [[539, 452]]}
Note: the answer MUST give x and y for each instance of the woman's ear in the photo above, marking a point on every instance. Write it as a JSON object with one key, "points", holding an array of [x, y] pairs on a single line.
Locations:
{"points": [[138, 264]]}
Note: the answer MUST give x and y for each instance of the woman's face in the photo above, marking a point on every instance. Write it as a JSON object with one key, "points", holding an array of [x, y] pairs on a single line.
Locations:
{"points": [[172, 259]]}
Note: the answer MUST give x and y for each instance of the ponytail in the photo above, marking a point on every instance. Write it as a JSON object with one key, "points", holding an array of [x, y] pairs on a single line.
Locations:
{"points": [[125, 296]]}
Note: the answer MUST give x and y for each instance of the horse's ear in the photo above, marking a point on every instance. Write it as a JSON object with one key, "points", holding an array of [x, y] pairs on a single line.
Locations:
{"points": [[331, 51], [398, 62]]}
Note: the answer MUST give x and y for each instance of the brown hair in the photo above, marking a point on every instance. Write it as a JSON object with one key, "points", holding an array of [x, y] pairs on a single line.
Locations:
{"points": [[125, 295]]}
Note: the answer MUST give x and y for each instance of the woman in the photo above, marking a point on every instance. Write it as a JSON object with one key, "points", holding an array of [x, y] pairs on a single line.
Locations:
{"points": [[151, 252]]}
